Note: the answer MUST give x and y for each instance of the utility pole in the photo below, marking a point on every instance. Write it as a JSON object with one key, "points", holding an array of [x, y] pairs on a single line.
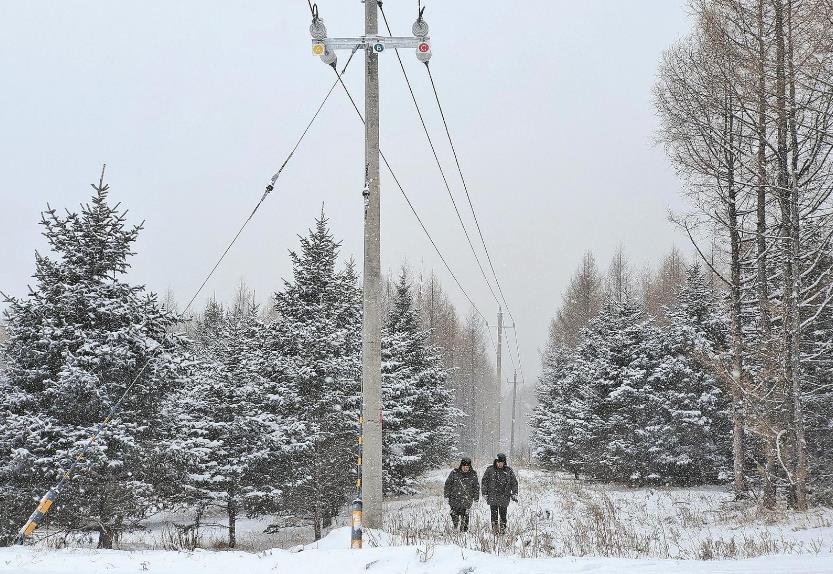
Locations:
{"points": [[372, 285], [500, 329], [499, 372], [514, 402], [373, 45]]}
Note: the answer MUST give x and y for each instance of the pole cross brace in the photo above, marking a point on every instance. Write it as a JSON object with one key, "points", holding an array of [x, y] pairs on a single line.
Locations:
{"points": [[376, 43]]}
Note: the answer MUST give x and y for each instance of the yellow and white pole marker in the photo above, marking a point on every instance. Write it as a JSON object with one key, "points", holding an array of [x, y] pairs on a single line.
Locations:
{"points": [[356, 515]]}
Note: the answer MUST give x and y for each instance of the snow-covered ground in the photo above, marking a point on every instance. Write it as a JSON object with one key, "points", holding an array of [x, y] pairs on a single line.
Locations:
{"points": [[330, 556], [560, 525], [558, 516]]}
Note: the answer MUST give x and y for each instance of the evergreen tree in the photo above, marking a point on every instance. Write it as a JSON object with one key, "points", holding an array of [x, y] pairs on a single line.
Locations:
{"points": [[222, 439], [76, 343], [691, 428], [558, 418], [638, 404], [312, 367], [419, 429], [617, 364]]}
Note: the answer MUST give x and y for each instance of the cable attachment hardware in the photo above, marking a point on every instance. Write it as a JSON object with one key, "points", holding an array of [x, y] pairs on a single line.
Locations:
{"points": [[366, 190], [318, 31], [420, 27]]}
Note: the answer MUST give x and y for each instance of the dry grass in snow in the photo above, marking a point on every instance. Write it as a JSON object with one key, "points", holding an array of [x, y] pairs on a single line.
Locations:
{"points": [[559, 516]]}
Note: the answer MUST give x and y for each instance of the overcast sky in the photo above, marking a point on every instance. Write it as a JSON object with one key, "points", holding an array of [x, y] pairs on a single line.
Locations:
{"points": [[194, 104]]}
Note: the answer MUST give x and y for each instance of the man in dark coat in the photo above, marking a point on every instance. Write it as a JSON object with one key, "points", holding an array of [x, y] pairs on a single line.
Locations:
{"points": [[500, 485], [461, 490]]}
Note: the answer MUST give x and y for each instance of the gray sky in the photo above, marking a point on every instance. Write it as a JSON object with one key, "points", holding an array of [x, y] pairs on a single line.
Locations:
{"points": [[194, 104]]}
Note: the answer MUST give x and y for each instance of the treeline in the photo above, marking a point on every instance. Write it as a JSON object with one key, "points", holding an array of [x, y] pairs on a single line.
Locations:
{"points": [[466, 352], [746, 108], [252, 409], [627, 391]]}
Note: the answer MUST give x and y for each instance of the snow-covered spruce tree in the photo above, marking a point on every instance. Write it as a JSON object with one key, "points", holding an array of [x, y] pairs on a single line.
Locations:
{"points": [[419, 414], [637, 404], [570, 425], [221, 437], [690, 431], [76, 342], [558, 419], [619, 359], [312, 367]]}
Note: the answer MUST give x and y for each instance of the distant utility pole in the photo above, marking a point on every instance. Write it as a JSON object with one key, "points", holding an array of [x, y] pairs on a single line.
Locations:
{"points": [[499, 372], [514, 401], [500, 329], [373, 45]]}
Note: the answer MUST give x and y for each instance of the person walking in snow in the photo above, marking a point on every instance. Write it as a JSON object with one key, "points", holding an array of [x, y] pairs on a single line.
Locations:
{"points": [[500, 485], [461, 489]]}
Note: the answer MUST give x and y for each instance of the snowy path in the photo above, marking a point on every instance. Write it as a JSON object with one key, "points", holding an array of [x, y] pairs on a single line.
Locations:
{"points": [[558, 516], [560, 526]]}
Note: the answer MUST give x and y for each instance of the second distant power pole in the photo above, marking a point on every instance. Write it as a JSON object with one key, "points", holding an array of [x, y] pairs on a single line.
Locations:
{"points": [[499, 381], [499, 361]]}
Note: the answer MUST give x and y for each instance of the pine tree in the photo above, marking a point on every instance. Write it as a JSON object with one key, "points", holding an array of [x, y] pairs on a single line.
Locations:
{"points": [[221, 438], [635, 403], [419, 413], [558, 418], [312, 367], [618, 364], [691, 428], [76, 342]]}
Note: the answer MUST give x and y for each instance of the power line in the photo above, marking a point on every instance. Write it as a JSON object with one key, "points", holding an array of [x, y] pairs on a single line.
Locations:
{"points": [[474, 215], [51, 496], [465, 188], [414, 211], [272, 182], [437, 159]]}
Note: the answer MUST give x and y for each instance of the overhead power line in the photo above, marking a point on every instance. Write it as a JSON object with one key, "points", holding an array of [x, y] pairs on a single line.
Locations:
{"points": [[437, 159], [416, 214], [474, 215], [465, 188]]}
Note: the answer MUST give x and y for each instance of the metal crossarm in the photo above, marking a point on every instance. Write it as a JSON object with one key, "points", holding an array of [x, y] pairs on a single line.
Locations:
{"points": [[378, 43]]}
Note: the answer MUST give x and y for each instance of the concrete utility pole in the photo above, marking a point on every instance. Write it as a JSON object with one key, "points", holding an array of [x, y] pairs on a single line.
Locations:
{"points": [[372, 287], [373, 45], [514, 401], [499, 372]]}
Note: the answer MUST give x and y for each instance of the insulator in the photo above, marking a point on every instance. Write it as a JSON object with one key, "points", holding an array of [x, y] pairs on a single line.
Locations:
{"points": [[420, 28], [423, 52], [329, 57], [317, 29]]}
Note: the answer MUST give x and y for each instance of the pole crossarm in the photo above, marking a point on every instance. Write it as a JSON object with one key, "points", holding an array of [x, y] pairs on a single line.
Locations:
{"points": [[374, 41]]}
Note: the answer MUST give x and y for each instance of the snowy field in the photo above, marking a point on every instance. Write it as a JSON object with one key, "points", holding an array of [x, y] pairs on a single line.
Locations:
{"points": [[331, 557], [560, 525]]}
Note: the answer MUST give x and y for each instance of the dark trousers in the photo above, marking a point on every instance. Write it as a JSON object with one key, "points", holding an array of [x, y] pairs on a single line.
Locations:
{"points": [[498, 518], [460, 518]]}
